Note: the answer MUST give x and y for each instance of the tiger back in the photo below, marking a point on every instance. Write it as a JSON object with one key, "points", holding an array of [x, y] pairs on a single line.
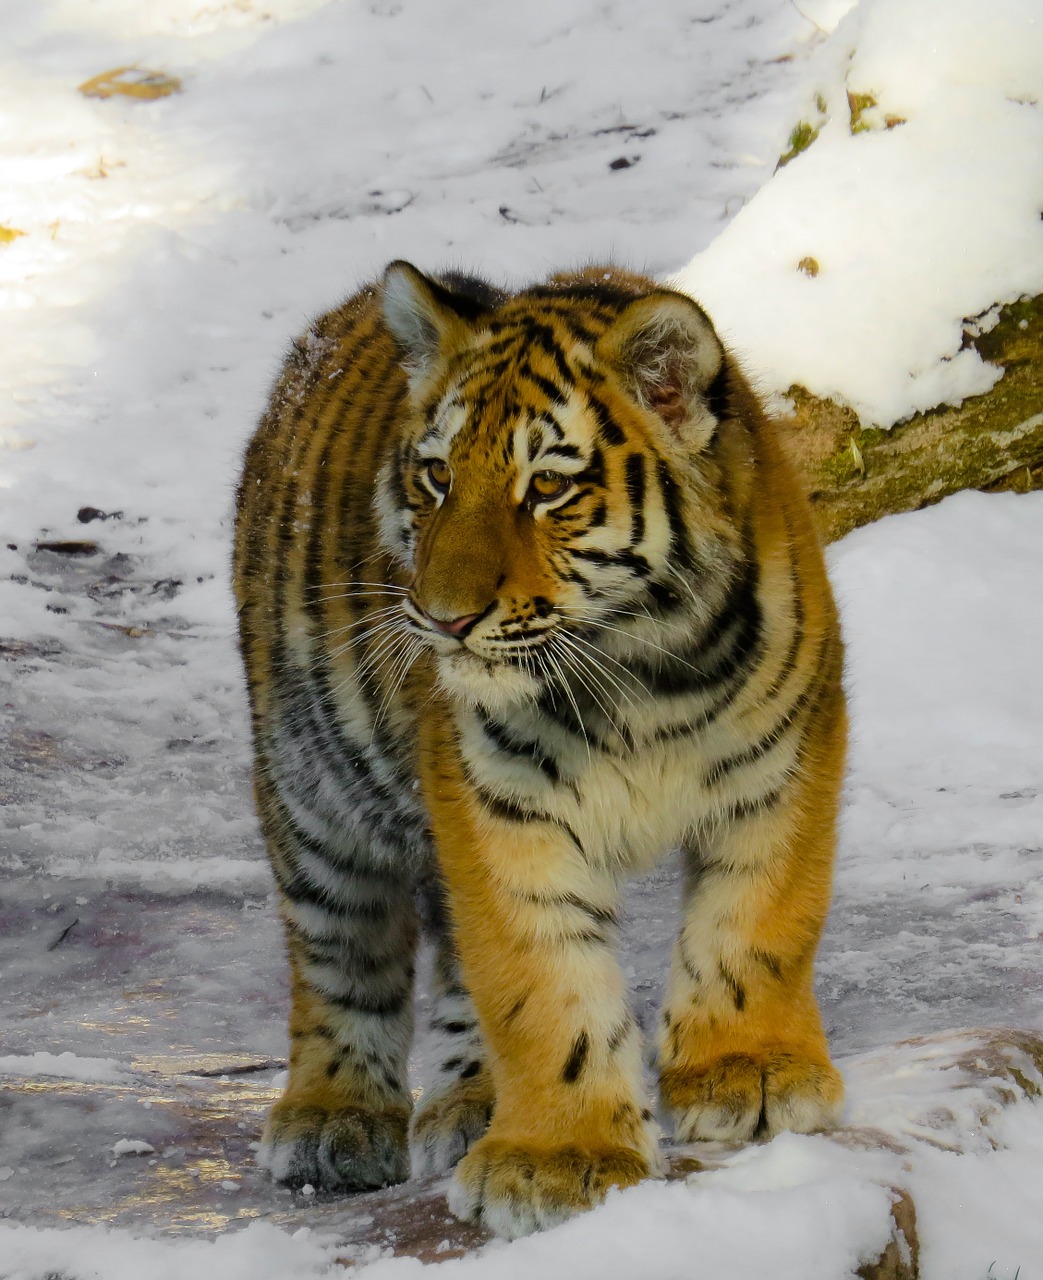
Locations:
{"points": [[529, 597]]}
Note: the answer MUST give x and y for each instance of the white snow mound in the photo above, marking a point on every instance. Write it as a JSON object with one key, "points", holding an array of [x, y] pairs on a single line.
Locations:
{"points": [[64, 1066], [926, 215]]}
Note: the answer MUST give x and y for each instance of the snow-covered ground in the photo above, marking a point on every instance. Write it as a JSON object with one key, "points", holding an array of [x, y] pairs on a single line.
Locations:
{"points": [[171, 250]]}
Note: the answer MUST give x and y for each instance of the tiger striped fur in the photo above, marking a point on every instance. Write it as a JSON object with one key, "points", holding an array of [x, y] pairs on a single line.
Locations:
{"points": [[528, 597]]}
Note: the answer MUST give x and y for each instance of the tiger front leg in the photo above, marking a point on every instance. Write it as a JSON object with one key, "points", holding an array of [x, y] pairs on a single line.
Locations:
{"points": [[535, 926], [458, 1102], [742, 1052], [571, 1118], [341, 1124]]}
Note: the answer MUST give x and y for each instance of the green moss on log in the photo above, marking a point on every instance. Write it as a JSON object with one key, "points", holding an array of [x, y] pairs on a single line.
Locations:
{"points": [[803, 135], [857, 474]]}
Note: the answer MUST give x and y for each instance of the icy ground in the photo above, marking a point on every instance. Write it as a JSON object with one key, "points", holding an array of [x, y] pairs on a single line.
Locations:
{"points": [[170, 251]]}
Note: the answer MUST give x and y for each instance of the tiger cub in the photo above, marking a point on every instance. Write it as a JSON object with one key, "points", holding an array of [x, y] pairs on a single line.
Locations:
{"points": [[529, 597]]}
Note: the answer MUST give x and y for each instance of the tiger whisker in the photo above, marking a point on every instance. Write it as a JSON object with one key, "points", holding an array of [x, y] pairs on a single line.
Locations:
{"points": [[592, 659], [386, 644], [379, 630], [380, 551], [350, 626], [570, 661], [357, 582], [399, 672], [587, 644], [386, 651], [642, 640], [548, 656], [600, 695], [390, 648], [361, 593]]}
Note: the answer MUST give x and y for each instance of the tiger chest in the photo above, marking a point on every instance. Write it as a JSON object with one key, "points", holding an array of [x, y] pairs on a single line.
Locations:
{"points": [[626, 807]]}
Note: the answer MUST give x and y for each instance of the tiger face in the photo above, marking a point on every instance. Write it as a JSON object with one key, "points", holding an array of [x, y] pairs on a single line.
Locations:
{"points": [[546, 484]]}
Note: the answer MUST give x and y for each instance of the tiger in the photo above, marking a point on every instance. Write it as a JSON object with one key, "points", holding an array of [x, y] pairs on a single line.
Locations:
{"points": [[529, 598]]}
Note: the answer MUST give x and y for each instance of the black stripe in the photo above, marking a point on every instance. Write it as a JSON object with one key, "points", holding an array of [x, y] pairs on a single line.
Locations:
{"points": [[564, 509], [526, 749], [544, 337], [741, 809], [552, 392], [469, 296], [313, 714], [680, 553], [750, 755], [635, 482], [501, 344], [789, 662], [577, 329], [725, 649], [577, 1057], [509, 811], [608, 429], [563, 451], [738, 991], [603, 297], [599, 915], [295, 883], [717, 394], [388, 1007], [455, 1028], [515, 1009], [619, 1035], [695, 724], [772, 963], [349, 953], [694, 976], [594, 471], [627, 559], [666, 598]]}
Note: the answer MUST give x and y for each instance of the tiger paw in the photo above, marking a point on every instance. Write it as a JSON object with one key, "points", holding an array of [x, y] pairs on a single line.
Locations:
{"points": [[350, 1149], [449, 1123], [740, 1096], [513, 1189]]}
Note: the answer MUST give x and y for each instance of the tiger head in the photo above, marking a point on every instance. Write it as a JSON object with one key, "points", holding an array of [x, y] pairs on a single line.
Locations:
{"points": [[554, 485]]}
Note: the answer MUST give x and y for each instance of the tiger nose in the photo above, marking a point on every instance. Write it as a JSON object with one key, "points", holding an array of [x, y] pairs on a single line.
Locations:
{"points": [[457, 627]]}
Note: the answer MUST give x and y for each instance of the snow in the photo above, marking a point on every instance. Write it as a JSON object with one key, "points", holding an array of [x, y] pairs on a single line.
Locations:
{"points": [[65, 1066], [133, 1147], [171, 251], [914, 228], [259, 1252]]}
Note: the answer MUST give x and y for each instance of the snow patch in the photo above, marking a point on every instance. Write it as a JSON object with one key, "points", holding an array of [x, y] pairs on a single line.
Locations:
{"points": [[924, 216], [65, 1066], [133, 1147]]}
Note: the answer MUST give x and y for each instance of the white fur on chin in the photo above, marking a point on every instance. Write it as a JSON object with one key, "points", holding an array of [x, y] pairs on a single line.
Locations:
{"points": [[495, 686]]}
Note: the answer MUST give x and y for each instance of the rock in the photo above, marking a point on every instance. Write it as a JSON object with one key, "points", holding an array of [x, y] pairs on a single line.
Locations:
{"points": [[68, 547], [901, 1259], [131, 82], [994, 441]]}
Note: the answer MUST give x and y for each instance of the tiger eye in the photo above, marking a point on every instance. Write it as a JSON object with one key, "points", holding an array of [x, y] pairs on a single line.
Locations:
{"points": [[439, 474], [546, 485]]}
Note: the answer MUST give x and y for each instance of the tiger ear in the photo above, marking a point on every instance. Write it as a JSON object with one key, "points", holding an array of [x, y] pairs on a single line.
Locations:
{"points": [[423, 315], [670, 358]]}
